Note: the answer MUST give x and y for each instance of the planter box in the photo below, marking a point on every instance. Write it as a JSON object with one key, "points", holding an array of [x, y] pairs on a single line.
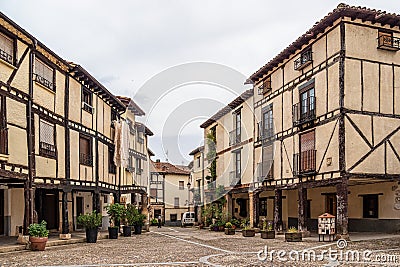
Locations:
{"points": [[268, 234], [138, 229], [127, 231], [293, 237], [229, 231], [113, 232], [38, 243], [248, 233], [91, 235]]}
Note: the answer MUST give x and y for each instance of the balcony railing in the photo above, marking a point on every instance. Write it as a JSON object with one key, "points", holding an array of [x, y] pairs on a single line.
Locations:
{"points": [[47, 150], [43, 81], [6, 56], [304, 111], [4, 141], [264, 133], [389, 42], [235, 137], [304, 162], [85, 159], [265, 88], [264, 171], [234, 178], [304, 60]]}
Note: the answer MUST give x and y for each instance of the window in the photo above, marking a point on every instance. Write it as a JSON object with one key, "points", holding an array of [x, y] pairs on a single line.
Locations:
{"points": [[113, 117], [235, 175], [267, 126], [387, 41], [112, 168], [238, 163], [131, 126], [266, 87], [139, 166], [263, 206], [87, 100], [198, 161], [3, 126], [130, 167], [85, 150], [266, 172], [370, 206], [176, 202], [43, 74], [153, 193], [235, 135], [140, 138], [6, 49], [181, 185], [173, 217], [304, 111], [47, 146], [305, 160], [304, 60]]}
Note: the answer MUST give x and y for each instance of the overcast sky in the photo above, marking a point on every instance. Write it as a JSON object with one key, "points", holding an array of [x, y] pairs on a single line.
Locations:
{"points": [[126, 44]]}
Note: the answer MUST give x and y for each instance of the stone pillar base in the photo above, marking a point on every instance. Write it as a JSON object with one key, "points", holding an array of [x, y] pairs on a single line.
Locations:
{"points": [[305, 234], [65, 236], [23, 239], [342, 236]]}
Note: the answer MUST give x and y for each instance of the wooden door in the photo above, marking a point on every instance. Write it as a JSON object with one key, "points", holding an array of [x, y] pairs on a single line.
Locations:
{"points": [[50, 210]]}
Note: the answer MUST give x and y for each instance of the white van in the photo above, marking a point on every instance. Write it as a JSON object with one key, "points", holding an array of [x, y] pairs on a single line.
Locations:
{"points": [[188, 218]]}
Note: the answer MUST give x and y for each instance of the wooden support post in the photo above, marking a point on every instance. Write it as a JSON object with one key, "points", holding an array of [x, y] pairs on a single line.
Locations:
{"points": [[302, 205], [96, 202], [342, 210], [64, 206], [278, 210]]}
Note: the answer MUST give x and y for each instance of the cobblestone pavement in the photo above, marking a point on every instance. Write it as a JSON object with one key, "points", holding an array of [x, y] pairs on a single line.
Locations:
{"points": [[192, 247]]}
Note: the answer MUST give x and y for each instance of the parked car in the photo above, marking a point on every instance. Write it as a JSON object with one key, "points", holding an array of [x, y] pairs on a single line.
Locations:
{"points": [[188, 218]]}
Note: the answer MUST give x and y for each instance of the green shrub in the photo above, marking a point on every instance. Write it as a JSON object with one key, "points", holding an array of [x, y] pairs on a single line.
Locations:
{"points": [[154, 221], [116, 212], [292, 229], [228, 225], [38, 229], [90, 220]]}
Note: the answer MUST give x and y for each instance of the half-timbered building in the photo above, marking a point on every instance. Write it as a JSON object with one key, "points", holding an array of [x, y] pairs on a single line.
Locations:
{"points": [[328, 112]]}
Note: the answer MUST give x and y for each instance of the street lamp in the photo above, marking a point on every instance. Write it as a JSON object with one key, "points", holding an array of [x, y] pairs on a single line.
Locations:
{"points": [[188, 186]]}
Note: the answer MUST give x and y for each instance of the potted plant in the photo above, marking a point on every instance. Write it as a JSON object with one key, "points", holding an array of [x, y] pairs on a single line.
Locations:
{"points": [[229, 230], [128, 220], [247, 231], [154, 222], [293, 235], [267, 231], [221, 226], [137, 220], [116, 213], [38, 235], [91, 222]]}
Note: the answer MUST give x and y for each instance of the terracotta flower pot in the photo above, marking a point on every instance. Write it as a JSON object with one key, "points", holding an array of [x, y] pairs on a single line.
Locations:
{"points": [[38, 243]]}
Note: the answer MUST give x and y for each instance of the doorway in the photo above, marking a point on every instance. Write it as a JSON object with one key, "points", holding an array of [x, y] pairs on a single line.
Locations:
{"points": [[47, 207], [330, 203], [79, 209]]}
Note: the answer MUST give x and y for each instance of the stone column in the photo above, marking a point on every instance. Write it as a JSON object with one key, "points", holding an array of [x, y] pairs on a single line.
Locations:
{"points": [[278, 210], [229, 206], [342, 210]]}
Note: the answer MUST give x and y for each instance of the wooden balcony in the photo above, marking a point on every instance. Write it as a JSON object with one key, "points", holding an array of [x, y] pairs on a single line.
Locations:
{"points": [[303, 61], [304, 111], [388, 42], [47, 150], [304, 163]]}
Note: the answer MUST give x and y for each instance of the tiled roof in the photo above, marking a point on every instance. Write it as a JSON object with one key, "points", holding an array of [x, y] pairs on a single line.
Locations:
{"points": [[342, 10], [228, 108], [131, 105], [168, 168]]}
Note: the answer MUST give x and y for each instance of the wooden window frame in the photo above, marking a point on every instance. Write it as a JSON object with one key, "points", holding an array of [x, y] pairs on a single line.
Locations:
{"points": [[39, 79], [45, 149], [84, 159], [87, 100], [181, 185], [5, 56], [390, 43], [176, 205]]}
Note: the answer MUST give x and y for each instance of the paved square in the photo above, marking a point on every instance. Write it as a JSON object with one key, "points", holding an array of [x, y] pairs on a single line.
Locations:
{"points": [[191, 247]]}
